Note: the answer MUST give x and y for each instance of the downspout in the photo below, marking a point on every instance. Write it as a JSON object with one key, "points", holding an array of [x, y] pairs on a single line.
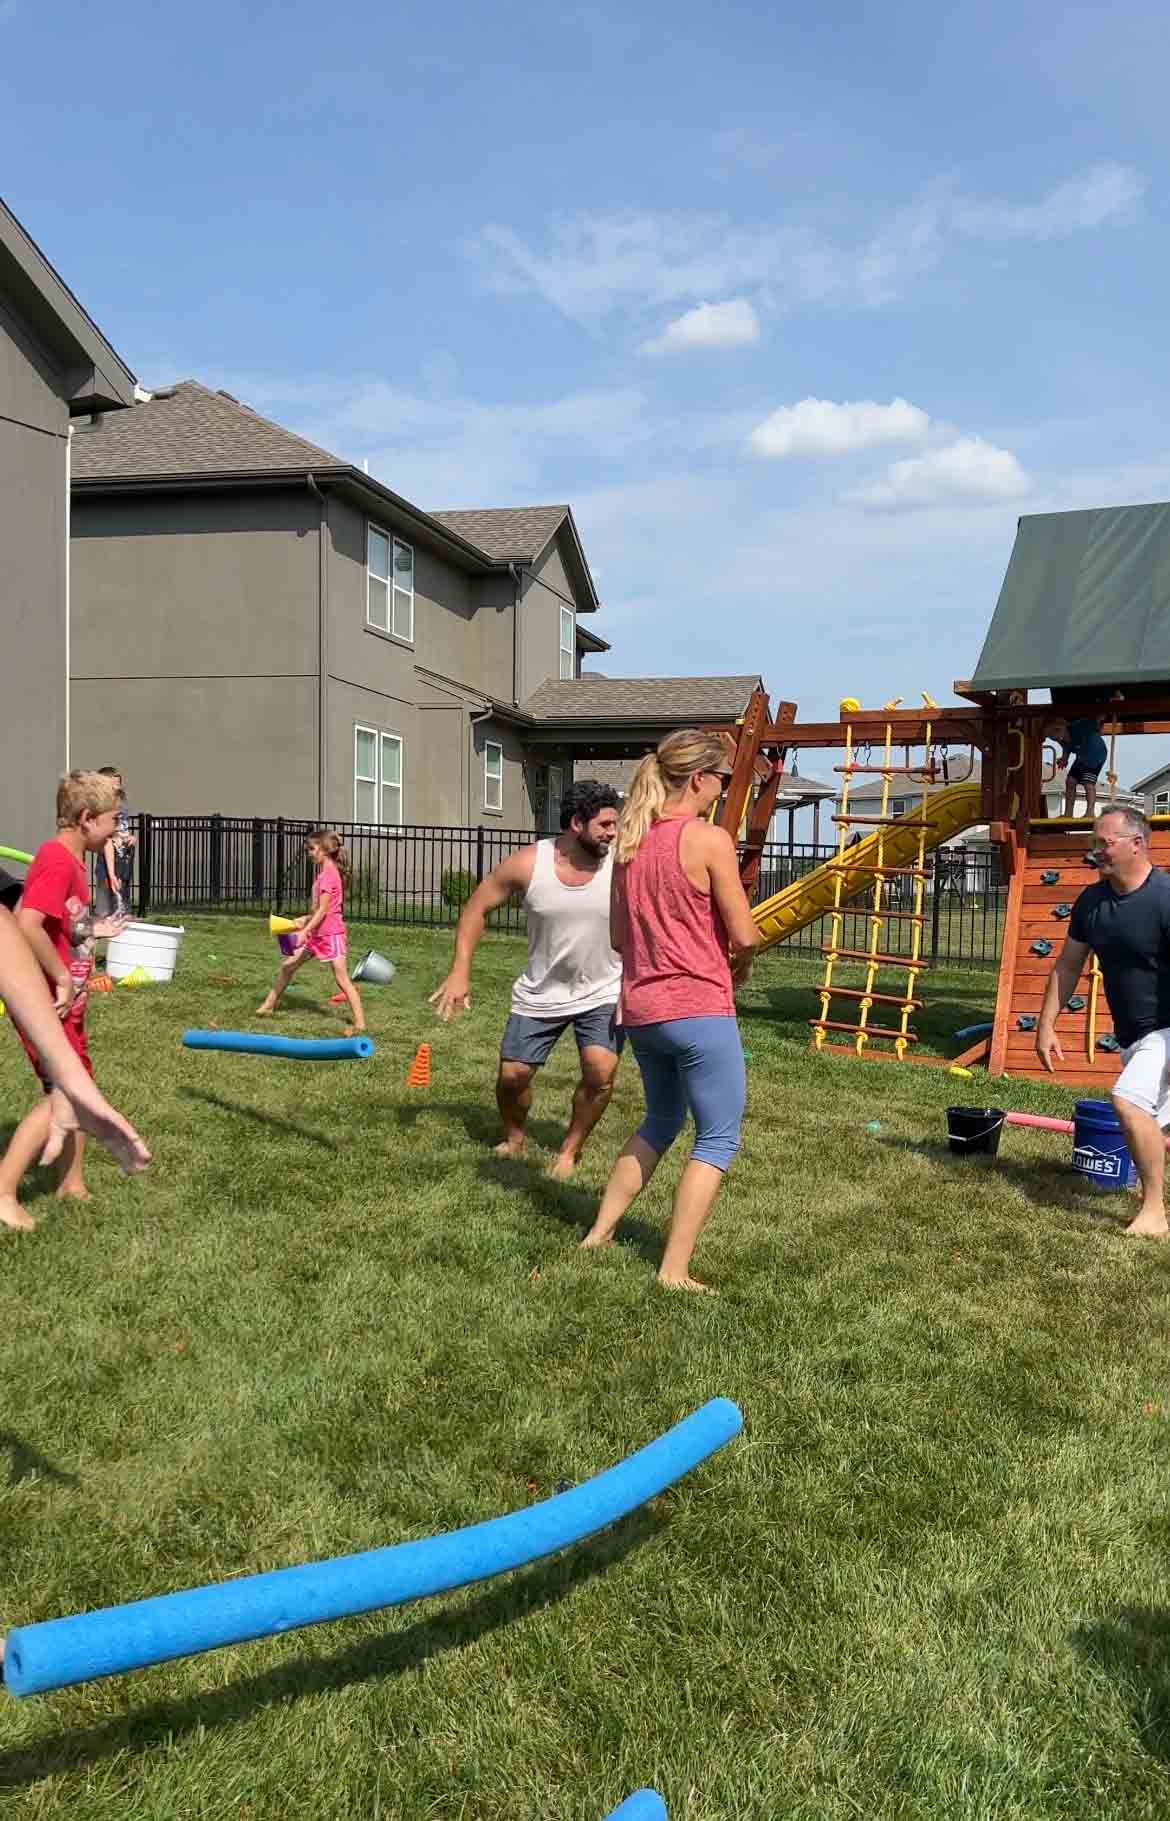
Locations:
{"points": [[322, 651], [518, 584], [68, 622]]}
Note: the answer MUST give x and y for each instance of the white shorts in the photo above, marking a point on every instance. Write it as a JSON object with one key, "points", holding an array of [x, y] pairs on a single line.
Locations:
{"points": [[1145, 1079]]}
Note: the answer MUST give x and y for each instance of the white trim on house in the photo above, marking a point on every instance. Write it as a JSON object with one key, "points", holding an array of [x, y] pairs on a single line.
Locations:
{"points": [[491, 778], [374, 779], [568, 651]]}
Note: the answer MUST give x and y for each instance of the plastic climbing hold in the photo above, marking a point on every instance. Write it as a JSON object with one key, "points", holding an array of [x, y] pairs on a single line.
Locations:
{"points": [[58, 1652], [850, 705], [1040, 948], [1109, 1043], [1062, 911], [1049, 878], [1077, 1003], [1027, 1022]]}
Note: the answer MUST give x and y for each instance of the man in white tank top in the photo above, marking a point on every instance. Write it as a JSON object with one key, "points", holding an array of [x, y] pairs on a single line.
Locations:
{"points": [[573, 975]]}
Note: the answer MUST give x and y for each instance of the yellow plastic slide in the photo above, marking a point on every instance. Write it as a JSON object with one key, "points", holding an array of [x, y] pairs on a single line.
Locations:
{"points": [[948, 811]]}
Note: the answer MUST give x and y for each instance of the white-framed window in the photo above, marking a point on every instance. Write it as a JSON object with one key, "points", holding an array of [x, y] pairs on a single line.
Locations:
{"points": [[552, 808], [568, 642], [389, 584], [493, 775], [377, 776], [1162, 803]]}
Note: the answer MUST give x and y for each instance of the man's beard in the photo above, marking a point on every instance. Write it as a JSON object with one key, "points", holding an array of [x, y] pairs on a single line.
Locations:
{"points": [[597, 850]]}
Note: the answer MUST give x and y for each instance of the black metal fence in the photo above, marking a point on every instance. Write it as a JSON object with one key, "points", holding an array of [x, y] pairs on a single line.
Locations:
{"points": [[423, 875]]}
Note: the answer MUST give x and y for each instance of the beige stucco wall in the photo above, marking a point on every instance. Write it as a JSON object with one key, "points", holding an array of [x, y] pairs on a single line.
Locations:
{"points": [[34, 425], [243, 746], [546, 591]]}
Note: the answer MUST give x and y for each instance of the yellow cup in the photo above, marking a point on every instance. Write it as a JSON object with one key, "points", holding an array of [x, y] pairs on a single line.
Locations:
{"points": [[280, 926]]}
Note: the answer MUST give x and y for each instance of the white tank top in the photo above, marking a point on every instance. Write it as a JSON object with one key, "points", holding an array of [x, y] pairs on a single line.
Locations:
{"points": [[571, 966]]}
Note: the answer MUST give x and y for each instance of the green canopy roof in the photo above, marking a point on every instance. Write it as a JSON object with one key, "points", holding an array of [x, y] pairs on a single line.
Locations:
{"points": [[1086, 599]]}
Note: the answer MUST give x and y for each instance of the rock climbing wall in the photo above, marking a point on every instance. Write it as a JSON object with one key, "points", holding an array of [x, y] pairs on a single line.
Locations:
{"points": [[1051, 873]]}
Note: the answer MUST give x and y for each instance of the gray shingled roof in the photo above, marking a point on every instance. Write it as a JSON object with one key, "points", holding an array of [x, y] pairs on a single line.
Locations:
{"points": [[516, 532], [683, 700], [187, 429]]}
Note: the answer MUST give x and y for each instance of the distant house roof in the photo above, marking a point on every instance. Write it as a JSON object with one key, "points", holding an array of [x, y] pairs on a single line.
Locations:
{"points": [[521, 534], [518, 532], [682, 701], [1154, 777], [187, 432], [96, 378], [1086, 600], [188, 429]]}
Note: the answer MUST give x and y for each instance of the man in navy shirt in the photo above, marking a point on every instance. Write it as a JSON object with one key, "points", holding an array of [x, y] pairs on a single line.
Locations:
{"points": [[1125, 920]]}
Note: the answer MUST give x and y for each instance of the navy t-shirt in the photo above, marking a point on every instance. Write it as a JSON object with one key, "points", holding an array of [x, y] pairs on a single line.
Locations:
{"points": [[1130, 934]]}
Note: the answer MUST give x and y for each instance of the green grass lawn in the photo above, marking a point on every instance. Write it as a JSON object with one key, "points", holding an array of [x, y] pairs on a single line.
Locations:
{"points": [[929, 1580]]}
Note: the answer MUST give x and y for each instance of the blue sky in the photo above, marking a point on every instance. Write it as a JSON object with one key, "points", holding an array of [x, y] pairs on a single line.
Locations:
{"points": [[800, 312]]}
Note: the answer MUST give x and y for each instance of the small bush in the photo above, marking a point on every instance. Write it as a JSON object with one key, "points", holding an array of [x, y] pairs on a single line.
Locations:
{"points": [[456, 885]]}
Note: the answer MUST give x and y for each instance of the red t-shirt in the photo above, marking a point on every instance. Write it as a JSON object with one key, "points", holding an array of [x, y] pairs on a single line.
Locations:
{"points": [[57, 886]]}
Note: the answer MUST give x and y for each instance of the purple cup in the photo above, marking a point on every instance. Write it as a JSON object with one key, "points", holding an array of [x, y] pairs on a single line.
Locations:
{"points": [[286, 942]]}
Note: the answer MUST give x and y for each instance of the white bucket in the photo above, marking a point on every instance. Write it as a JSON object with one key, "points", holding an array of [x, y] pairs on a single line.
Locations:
{"points": [[154, 947]]}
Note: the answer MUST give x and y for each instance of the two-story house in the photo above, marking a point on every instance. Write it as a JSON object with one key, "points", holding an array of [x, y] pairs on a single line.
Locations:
{"points": [[261, 628], [55, 365]]}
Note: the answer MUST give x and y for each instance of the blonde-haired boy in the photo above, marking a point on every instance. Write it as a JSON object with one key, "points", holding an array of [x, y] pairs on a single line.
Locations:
{"points": [[53, 917]]}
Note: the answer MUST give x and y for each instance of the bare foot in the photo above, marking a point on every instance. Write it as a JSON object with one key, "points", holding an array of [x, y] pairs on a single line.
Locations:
{"points": [[1149, 1224], [13, 1215], [561, 1168], [592, 1241], [686, 1283], [73, 1192], [264, 1011]]}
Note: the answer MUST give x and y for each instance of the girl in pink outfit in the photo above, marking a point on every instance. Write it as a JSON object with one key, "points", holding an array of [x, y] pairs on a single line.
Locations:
{"points": [[322, 932]]}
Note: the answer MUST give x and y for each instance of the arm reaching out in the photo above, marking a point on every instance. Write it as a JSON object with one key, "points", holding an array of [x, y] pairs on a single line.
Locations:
{"points": [[511, 876], [75, 1100]]}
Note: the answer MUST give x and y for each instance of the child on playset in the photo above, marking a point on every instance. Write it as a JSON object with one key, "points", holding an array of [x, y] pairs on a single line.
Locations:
{"points": [[322, 933], [53, 916], [1082, 742]]}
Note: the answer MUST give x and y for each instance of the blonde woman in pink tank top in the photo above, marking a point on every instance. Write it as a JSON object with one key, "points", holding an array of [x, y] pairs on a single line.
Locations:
{"points": [[681, 922]]}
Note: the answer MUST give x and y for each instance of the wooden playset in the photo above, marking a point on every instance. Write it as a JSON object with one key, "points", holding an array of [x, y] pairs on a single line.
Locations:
{"points": [[984, 760]]}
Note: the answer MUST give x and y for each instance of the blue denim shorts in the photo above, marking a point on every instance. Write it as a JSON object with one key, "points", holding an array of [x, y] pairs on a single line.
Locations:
{"points": [[532, 1040]]}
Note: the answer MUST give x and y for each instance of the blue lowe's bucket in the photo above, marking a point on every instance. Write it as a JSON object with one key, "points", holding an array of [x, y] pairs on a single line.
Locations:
{"points": [[1100, 1153]]}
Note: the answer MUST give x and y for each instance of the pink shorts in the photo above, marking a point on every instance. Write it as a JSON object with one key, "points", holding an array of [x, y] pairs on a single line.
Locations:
{"points": [[327, 948]]}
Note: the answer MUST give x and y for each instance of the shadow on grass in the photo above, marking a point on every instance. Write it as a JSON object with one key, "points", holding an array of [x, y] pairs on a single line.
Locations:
{"points": [[271, 1120], [1052, 1185], [37, 1183], [1132, 1646], [572, 1206], [479, 1120], [27, 1464], [396, 1654]]}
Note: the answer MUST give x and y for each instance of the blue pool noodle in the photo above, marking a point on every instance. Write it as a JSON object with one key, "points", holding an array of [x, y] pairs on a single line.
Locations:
{"points": [[60, 1652], [305, 1049], [643, 1805]]}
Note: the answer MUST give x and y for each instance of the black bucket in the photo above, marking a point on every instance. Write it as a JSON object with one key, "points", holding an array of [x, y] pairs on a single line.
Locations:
{"points": [[975, 1130]]}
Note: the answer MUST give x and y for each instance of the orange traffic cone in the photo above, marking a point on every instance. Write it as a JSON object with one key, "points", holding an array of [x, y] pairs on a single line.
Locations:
{"points": [[420, 1068]]}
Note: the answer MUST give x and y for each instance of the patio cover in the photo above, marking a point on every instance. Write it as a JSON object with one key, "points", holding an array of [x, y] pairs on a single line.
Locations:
{"points": [[1086, 600]]}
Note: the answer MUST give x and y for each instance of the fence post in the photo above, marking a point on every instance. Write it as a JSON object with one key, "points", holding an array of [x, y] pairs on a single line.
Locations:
{"points": [[257, 861], [279, 861], [935, 909], [479, 854], [215, 860], [145, 860]]}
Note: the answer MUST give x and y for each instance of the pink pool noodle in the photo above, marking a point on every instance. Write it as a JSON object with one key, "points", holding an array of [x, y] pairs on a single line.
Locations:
{"points": [[1045, 1125]]}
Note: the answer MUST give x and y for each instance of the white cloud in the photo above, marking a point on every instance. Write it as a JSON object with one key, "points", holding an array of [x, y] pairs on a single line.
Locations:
{"points": [[1105, 193], [817, 426], [725, 325], [967, 470], [593, 265]]}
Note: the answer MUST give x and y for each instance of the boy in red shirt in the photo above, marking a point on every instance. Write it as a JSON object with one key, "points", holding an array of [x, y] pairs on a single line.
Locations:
{"points": [[53, 917]]}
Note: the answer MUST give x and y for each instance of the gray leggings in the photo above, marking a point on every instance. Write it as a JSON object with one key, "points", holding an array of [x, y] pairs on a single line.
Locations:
{"points": [[695, 1065]]}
